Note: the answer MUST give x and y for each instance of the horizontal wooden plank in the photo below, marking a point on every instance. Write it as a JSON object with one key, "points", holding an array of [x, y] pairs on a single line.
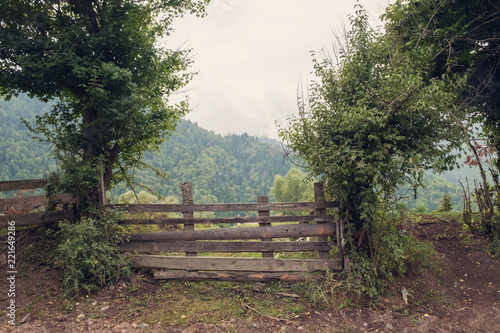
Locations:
{"points": [[186, 246], [232, 207], [29, 203], [253, 277], [280, 231], [234, 220], [36, 218], [236, 264], [18, 185]]}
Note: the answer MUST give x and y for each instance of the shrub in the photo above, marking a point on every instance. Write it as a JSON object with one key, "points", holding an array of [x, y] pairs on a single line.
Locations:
{"points": [[89, 255]]}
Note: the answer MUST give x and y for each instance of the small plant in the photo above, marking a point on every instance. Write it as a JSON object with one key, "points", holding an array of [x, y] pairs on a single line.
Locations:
{"points": [[89, 255], [446, 205]]}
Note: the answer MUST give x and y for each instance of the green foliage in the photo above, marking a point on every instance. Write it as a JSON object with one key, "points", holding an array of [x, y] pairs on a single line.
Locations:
{"points": [[373, 122], [294, 187], [110, 76], [393, 252], [445, 204], [88, 254]]}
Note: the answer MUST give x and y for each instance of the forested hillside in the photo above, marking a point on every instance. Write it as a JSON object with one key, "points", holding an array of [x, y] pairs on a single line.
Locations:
{"points": [[232, 168]]}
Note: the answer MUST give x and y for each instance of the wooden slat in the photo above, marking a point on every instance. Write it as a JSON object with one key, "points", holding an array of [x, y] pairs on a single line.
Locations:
{"points": [[254, 277], [37, 218], [29, 203], [232, 207], [264, 213], [280, 231], [18, 185], [236, 264], [233, 220], [186, 246], [319, 196]]}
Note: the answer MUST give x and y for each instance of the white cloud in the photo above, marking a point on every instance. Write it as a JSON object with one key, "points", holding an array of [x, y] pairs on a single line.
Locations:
{"points": [[252, 54]]}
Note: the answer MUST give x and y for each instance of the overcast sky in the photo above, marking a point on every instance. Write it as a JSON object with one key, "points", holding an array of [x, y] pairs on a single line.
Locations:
{"points": [[252, 54]]}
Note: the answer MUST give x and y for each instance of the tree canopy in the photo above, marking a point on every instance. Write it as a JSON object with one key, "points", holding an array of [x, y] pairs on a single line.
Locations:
{"points": [[102, 61]]}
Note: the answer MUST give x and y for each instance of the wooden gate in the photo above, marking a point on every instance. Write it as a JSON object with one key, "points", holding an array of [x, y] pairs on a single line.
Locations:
{"points": [[269, 235]]}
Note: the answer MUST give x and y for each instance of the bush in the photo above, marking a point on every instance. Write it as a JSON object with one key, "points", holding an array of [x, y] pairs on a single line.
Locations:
{"points": [[392, 252], [89, 255], [446, 205]]}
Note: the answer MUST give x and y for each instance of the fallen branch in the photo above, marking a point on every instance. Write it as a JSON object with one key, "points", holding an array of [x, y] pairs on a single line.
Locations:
{"points": [[243, 305]]}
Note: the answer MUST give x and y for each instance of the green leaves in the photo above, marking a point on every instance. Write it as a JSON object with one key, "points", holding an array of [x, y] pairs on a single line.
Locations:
{"points": [[373, 120], [101, 60]]}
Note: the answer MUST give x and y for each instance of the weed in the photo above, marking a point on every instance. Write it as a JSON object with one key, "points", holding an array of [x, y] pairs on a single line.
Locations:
{"points": [[89, 255]]}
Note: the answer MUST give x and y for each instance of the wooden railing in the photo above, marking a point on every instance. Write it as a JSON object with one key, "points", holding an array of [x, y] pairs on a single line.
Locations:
{"points": [[17, 208], [270, 235]]}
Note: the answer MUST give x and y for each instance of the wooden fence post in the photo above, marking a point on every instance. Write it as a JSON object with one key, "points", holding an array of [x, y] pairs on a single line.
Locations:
{"points": [[264, 200], [187, 199], [319, 196]]}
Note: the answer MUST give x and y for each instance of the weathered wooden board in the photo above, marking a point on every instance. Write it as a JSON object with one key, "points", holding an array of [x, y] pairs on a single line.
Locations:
{"points": [[254, 277], [18, 185], [29, 203], [233, 207], [37, 218], [233, 220], [187, 246], [280, 231], [236, 264]]}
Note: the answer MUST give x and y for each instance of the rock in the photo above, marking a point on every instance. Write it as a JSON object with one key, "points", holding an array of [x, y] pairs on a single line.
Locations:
{"points": [[142, 325], [80, 316], [485, 260], [104, 308], [259, 287], [25, 318], [134, 325]]}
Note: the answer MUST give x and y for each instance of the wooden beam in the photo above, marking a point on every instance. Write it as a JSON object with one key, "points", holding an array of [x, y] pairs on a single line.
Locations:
{"points": [[236, 264], [29, 203], [319, 196], [37, 218], [187, 199], [18, 185], [264, 213], [232, 207], [280, 231], [254, 277], [227, 220], [186, 246]]}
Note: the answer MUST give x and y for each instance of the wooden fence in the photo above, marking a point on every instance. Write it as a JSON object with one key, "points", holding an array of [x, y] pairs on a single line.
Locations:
{"points": [[21, 205], [269, 238], [239, 239]]}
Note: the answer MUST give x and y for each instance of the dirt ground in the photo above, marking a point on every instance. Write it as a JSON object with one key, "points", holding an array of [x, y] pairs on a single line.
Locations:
{"points": [[465, 298]]}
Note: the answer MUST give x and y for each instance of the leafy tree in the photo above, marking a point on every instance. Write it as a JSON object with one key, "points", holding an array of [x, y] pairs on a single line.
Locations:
{"points": [[294, 187], [102, 60], [446, 205], [373, 121], [461, 38]]}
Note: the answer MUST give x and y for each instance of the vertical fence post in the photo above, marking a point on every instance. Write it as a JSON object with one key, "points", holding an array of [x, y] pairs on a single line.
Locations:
{"points": [[187, 199], [264, 200], [319, 196]]}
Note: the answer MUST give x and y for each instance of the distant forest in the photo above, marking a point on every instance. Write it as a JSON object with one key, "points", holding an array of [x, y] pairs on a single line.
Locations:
{"points": [[230, 168]]}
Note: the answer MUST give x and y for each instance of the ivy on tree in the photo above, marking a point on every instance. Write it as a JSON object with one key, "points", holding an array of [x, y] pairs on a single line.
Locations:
{"points": [[102, 61]]}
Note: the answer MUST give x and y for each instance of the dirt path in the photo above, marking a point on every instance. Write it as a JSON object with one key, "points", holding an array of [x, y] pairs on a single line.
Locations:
{"points": [[466, 298]]}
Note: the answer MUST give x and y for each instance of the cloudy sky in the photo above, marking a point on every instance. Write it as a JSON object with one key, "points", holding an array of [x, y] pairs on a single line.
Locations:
{"points": [[252, 54]]}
